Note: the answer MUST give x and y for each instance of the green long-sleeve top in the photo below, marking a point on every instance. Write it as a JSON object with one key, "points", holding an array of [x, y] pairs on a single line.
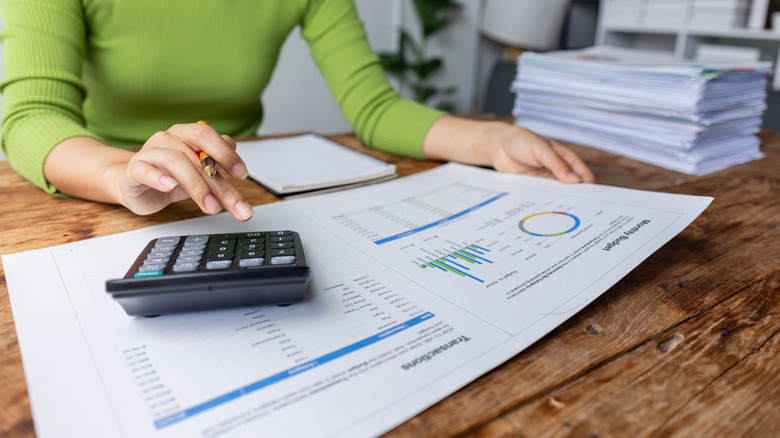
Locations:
{"points": [[121, 70]]}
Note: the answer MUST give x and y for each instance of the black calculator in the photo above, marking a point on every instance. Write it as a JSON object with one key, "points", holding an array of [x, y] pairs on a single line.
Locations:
{"points": [[210, 271]]}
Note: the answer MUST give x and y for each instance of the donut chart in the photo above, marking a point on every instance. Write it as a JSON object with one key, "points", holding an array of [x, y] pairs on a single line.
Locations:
{"points": [[549, 224]]}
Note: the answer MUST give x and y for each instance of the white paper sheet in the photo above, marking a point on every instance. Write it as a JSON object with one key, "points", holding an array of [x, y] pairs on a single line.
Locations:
{"points": [[419, 286]]}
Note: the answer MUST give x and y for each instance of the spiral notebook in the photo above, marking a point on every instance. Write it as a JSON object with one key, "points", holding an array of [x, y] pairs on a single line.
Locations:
{"points": [[310, 163]]}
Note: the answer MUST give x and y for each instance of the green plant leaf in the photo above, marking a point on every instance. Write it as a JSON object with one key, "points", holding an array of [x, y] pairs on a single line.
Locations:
{"points": [[393, 63], [405, 40], [422, 93], [428, 12], [449, 90], [426, 68]]}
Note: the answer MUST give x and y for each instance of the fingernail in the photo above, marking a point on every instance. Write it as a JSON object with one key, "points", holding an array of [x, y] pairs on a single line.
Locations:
{"points": [[574, 177], [168, 182], [239, 169], [212, 205], [243, 210]]}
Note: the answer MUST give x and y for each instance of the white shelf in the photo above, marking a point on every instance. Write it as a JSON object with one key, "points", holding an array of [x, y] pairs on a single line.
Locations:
{"points": [[682, 41], [738, 34], [630, 29]]}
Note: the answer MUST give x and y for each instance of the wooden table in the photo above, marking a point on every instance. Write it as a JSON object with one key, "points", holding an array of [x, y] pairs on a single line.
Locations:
{"points": [[686, 344]]}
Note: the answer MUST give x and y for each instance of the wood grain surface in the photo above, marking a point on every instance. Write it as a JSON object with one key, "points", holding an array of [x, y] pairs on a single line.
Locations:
{"points": [[684, 345]]}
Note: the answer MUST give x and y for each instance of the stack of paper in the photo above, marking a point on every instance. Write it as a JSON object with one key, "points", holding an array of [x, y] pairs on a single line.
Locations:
{"points": [[645, 105]]}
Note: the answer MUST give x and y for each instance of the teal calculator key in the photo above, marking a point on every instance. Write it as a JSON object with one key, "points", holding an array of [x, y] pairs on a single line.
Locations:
{"points": [[148, 274]]}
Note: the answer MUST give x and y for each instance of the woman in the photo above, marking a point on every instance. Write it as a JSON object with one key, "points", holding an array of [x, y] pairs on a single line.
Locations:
{"points": [[86, 82]]}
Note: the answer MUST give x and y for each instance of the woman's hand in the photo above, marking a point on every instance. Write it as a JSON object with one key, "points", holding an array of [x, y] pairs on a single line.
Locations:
{"points": [[505, 147], [165, 170]]}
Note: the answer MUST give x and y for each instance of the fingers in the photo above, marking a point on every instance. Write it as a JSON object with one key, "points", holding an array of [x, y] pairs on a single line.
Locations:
{"points": [[535, 154], [575, 163], [202, 137], [169, 165]]}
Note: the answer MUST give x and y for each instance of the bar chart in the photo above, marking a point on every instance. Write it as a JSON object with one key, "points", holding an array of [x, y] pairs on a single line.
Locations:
{"points": [[461, 261]]}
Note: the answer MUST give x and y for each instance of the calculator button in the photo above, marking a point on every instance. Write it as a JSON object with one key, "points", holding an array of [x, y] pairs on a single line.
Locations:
{"points": [[220, 256], [281, 238], [250, 254], [224, 236], [151, 267], [282, 245], [222, 248], [191, 252], [170, 248], [148, 274], [155, 253], [188, 258], [259, 240], [196, 239], [280, 233], [156, 260], [168, 241], [223, 242], [250, 246], [253, 261], [282, 260], [219, 264], [282, 252], [186, 266], [194, 246], [259, 234]]}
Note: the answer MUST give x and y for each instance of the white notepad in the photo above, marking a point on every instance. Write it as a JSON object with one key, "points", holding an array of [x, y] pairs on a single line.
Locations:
{"points": [[305, 163]]}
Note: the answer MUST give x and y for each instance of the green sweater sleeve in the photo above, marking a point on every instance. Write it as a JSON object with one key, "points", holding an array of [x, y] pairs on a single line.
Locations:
{"points": [[380, 116], [43, 44]]}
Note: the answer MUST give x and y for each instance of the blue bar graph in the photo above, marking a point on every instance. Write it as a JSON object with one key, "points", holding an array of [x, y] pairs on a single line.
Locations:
{"points": [[460, 261]]}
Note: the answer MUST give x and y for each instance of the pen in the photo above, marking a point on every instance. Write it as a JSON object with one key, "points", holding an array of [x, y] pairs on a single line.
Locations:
{"points": [[207, 163], [209, 167]]}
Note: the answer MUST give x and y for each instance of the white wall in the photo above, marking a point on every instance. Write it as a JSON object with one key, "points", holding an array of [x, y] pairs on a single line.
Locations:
{"points": [[297, 98]]}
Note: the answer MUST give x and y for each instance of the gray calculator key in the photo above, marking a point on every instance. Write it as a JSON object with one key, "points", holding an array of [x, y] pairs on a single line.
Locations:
{"points": [[196, 239], [282, 260], [188, 258], [219, 264], [191, 252], [155, 253], [168, 241], [186, 266], [254, 261], [151, 267], [156, 260], [164, 248]]}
